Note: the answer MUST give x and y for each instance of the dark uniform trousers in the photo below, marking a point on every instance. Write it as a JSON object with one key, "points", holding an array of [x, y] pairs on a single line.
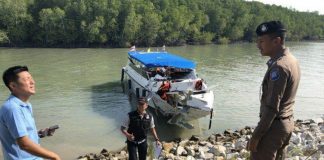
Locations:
{"points": [[132, 150], [273, 145]]}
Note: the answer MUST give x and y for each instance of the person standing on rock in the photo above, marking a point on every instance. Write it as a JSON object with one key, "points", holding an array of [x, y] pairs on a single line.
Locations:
{"points": [[272, 134], [18, 134], [135, 128]]}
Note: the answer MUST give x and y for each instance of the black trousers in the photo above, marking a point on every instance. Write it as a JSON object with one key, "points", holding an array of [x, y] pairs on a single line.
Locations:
{"points": [[134, 147]]}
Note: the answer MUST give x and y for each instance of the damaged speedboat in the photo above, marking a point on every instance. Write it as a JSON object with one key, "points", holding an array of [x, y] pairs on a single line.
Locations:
{"points": [[171, 84]]}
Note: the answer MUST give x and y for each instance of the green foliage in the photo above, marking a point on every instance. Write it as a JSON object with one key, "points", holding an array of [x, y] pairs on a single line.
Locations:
{"points": [[14, 20], [121, 23], [3, 37], [223, 40], [52, 27]]}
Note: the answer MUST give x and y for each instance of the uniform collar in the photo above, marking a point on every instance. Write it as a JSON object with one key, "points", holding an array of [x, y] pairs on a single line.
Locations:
{"points": [[277, 56], [19, 102], [140, 113]]}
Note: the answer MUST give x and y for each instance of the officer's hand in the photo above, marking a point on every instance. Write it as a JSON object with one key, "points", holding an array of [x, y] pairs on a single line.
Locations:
{"points": [[158, 143], [252, 145], [130, 137]]}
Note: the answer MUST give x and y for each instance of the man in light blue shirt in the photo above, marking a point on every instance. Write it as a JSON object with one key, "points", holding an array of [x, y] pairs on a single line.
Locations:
{"points": [[18, 133]]}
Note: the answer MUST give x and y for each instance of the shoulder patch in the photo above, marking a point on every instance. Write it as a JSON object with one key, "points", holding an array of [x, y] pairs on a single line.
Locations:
{"points": [[274, 75]]}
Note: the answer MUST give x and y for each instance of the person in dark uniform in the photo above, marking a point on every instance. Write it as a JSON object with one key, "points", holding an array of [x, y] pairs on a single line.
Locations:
{"points": [[271, 136], [136, 127]]}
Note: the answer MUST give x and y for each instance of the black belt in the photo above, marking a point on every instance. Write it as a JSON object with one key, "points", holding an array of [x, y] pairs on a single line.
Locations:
{"points": [[283, 118], [138, 142]]}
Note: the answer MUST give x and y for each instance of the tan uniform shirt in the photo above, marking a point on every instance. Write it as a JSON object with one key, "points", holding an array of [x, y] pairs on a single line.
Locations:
{"points": [[279, 89]]}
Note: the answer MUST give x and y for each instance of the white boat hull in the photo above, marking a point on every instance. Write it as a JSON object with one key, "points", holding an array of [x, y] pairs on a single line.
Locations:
{"points": [[195, 104]]}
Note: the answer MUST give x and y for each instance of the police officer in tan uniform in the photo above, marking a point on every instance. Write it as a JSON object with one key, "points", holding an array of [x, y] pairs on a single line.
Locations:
{"points": [[271, 136]]}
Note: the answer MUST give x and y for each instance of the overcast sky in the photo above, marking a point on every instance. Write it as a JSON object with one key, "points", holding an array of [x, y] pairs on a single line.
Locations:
{"points": [[300, 5]]}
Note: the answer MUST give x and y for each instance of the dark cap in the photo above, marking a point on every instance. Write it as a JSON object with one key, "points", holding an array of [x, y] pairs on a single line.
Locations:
{"points": [[270, 27], [142, 100]]}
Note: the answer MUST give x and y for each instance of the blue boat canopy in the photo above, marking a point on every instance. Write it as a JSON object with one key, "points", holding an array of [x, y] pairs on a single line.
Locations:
{"points": [[161, 59]]}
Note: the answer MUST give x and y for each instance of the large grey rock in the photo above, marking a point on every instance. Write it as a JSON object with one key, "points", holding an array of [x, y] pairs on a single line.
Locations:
{"points": [[204, 148], [320, 147], [192, 143], [180, 150], [194, 138], [314, 127], [244, 153], [297, 129], [240, 144], [196, 148], [228, 132], [219, 158], [212, 138], [190, 150], [322, 128], [218, 150], [309, 149], [170, 156], [296, 138], [232, 155], [318, 156], [308, 121], [209, 145], [294, 150], [178, 158], [209, 155], [219, 137], [318, 120], [293, 158], [229, 145], [243, 131], [190, 158], [167, 146], [202, 155], [184, 153], [173, 150], [308, 136], [203, 143], [236, 135], [183, 143], [123, 153]]}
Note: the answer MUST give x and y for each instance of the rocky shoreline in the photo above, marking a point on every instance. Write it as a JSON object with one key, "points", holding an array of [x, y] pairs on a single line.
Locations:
{"points": [[307, 142]]}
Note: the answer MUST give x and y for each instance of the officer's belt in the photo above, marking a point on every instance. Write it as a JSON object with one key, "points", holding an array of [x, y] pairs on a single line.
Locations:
{"points": [[139, 142], [283, 118]]}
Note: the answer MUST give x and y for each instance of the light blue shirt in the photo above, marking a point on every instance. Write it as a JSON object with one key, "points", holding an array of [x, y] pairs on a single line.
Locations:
{"points": [[16, 120]]}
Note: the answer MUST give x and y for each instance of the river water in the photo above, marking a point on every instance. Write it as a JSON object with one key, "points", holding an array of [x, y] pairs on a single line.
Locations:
{"points": [[79, 89]]}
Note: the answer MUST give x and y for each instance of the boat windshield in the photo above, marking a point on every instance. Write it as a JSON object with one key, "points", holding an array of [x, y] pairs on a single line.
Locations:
{"points": [[172, 73], [183, 75]]}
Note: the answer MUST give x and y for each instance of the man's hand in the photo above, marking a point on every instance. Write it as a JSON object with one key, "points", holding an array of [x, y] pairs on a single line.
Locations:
{"points": [[29, 146], [57, 157], [130, 137], [252, 145], [46, 132]]}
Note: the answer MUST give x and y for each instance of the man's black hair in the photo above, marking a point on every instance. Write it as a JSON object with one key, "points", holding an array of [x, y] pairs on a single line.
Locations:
{"points": [[11, 74]]}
